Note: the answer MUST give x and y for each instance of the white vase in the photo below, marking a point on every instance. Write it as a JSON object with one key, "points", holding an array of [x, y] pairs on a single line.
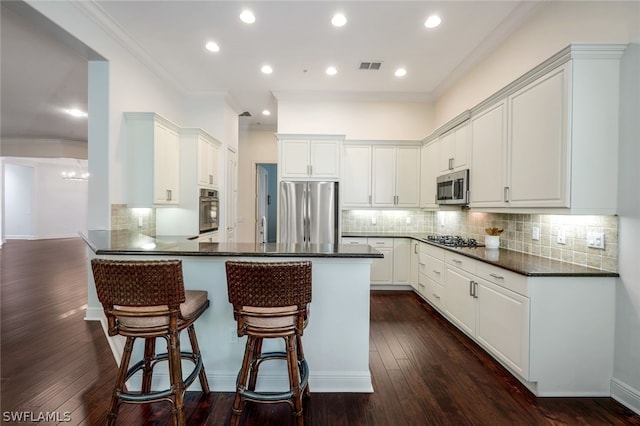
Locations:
{"points": [[492, 241]]}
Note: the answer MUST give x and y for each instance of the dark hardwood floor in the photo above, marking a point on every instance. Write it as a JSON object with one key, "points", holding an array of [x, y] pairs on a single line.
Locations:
{"points": [[425, 372]]}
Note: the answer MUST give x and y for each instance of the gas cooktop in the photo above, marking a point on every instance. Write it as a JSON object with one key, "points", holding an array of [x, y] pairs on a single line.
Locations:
{"points": [[453, 241]]}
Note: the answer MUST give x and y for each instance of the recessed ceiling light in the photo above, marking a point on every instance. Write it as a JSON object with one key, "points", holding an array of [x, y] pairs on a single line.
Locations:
{"points": [[212, 46], [432, 21], [76, 112], [331, 71], [266, 69], [400, 72], [247, 17], [266, 112], [338, 20]]}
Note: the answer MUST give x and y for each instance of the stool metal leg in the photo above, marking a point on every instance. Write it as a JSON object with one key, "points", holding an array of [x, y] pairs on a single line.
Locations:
{"points": [[195, 348], [147, 371], [112, 412]]}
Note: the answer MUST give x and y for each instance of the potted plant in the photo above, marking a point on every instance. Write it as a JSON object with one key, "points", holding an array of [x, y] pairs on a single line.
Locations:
{"points": [[492, 239]]}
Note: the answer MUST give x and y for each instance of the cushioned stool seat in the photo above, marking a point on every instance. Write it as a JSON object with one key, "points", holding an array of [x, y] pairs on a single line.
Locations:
{"points": [[147, 299]]}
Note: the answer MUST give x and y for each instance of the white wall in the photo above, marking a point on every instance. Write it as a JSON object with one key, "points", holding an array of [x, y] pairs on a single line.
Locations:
{"points": [[255, 146], [553, 27], [39, 204], [357, 120], [626, 384]]}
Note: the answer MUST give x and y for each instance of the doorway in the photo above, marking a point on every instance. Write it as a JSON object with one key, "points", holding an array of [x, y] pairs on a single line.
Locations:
{"points": [[266, 205]]}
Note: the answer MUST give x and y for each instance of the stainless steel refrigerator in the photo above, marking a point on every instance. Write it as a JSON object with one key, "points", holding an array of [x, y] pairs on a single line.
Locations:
{"points": [[308, 213]]}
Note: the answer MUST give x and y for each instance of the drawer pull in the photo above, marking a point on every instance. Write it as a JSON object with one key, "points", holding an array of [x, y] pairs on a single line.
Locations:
{"points": [[456, 261], [422, 264], [436, 296], [435, 271], [498, 277], [379, 243]]}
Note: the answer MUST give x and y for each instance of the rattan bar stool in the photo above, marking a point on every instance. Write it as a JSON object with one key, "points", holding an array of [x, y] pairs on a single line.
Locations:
{"points": [[270, 300], [147, 299]]}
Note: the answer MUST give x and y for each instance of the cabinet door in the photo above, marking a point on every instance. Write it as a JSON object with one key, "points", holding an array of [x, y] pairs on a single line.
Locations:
{"points": [[539, 143], [384, 176], [461, 151], [460, 305], [294, 159], [166, 155], [414, 254], [503, 325], [407, 176], [428, 173], [401, 261], [489, 157], [356, 182], [382, 269], [324, 160], [207, 163]]}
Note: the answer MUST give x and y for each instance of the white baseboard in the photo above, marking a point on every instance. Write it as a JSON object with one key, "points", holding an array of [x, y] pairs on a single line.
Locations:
{"points": [[94, 314], [626, 395]]}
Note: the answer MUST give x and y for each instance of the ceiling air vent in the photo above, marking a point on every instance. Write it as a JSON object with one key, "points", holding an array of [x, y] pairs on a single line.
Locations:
{"points": [[374, 66], [245, 114]]}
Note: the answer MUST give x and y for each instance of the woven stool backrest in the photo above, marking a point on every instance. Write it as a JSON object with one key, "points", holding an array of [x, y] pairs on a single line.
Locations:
{"points": [[138, 283], [269, 284]]}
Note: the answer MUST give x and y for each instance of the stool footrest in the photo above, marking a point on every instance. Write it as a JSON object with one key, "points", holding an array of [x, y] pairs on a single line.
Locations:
{"points": [[134, 397], [257, 396]]}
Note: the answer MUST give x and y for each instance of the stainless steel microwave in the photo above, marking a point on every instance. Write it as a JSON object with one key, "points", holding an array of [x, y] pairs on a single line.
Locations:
{"points": [[453, 188]]}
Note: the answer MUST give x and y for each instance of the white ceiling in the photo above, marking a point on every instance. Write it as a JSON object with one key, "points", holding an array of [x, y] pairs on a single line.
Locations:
{"points": [[41, 76]]}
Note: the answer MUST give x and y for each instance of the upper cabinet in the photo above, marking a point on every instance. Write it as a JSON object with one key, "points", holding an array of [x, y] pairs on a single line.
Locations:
{"points": [[305, 157], [199, 149], [549, 140], [207, 161], [153, 160], [453, 149], [381, 175], [429, 171]]}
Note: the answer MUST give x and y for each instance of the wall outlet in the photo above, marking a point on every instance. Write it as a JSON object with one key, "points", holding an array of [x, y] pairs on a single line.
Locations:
{"points": [[595, 240], [408, 220], [233, 335], [535, 233], [562, 236], [373, 220]]}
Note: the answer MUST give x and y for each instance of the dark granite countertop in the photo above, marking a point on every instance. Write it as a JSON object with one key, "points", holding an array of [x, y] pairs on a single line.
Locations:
{"points": [[128, 243], [521, 263]]}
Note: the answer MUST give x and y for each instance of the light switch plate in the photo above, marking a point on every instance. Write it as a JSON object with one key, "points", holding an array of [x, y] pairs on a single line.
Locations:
{"points": [[595, 240], [535, 233], [562, 236]]}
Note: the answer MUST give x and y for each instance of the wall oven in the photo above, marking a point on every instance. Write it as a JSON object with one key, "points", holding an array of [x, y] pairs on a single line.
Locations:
{"points": [[209, 210], [453, 188]]}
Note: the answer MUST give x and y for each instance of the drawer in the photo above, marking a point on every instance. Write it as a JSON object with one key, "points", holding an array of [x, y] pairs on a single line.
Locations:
{"points": [[354, 240], [504, 278], [381, 242], [435, 294], [436, 252], [459, 261], [431, 267]]}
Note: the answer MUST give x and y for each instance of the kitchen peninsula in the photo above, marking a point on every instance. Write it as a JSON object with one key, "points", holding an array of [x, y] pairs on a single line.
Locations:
{"points": [[336, 339]]}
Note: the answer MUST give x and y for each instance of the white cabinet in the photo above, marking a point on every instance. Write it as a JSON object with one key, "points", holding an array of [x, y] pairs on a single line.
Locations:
{"points": [[414, 273], [309, 157], [396, 176], [431, 280], [453, 149], [401, 261], [539, 142], [549, 140], [381, 175], [488, 172], [153, 160], [356, 176], [428, 173], [208, 166], [382, 269]]}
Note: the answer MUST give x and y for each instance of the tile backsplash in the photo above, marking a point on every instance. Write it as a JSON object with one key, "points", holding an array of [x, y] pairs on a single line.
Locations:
{"points": [[133, 219], [517, 234]]}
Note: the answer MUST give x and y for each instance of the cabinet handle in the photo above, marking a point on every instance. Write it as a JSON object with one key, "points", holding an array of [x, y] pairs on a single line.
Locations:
{"points": [[450, 163], [210, 179], [471, 288], [456, 261], [422, 264], [379, 243], [168, 195], [415, 248], [498, 277], [369, 198], [436, 296], [475, 289], [506, 194], [435, 271]]}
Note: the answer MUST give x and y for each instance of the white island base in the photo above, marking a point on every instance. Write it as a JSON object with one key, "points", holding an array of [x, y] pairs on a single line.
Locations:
{"points": [[336, 340]]}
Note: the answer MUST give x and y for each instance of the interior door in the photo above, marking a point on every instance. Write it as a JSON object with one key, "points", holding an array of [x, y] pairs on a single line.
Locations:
{"points": [[262, 211]]}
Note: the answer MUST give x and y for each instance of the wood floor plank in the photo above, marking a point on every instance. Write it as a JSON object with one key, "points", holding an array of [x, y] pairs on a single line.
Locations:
{"points": [[425, 371]]}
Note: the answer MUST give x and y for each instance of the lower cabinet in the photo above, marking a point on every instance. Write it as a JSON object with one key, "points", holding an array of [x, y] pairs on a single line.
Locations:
{"points": [[395, 268], [382, 269]]}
